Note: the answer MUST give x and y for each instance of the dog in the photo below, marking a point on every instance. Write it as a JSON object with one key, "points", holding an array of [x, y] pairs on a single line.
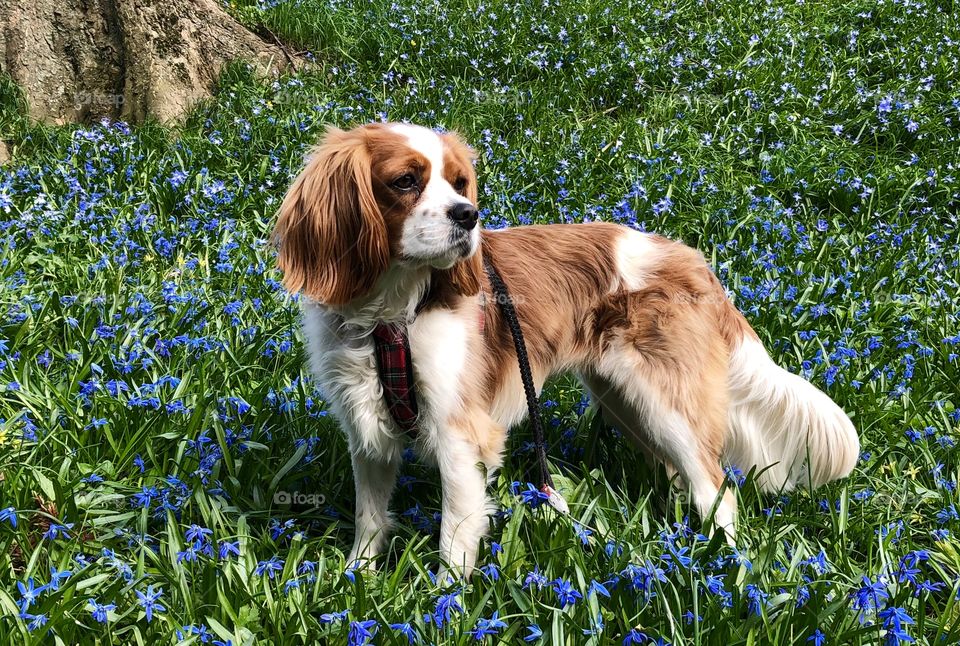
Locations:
{"points": [[381, 227]]}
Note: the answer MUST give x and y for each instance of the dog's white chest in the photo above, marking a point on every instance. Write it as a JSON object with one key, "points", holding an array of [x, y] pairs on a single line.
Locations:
{"points": [[344, 365], [345, 368]]}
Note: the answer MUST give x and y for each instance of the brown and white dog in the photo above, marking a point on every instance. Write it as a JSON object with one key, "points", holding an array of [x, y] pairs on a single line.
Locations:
{"points": [[381, 226]]}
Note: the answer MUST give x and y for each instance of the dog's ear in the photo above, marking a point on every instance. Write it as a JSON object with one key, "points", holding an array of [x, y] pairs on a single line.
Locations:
{"points": [[331, 235]]}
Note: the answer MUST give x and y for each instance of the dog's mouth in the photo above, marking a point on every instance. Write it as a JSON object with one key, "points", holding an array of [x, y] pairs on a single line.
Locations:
{"points": [[463, 247], [458, 246], [462, 243], [457, 252]]}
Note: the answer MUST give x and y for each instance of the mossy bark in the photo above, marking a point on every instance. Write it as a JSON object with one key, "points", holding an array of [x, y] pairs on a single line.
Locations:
{"points": [[79, 60]]}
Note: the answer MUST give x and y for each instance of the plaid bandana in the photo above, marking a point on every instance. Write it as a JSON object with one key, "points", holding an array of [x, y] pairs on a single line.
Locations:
{"points": [[395, 369]]}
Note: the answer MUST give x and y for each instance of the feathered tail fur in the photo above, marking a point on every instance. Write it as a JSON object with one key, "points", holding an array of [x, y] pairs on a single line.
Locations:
{"points": [[793, 433]]}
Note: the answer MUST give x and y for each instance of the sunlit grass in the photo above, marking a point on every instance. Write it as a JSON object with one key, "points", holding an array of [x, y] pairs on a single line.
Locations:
{"points": [[152, 378]]}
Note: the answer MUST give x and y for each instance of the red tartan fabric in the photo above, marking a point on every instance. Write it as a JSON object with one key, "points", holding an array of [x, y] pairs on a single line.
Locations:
{"points": [[395, 369]]}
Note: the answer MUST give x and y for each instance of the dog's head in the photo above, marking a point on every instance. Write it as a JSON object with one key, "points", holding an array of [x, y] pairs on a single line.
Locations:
{"points": [[377, 196]]}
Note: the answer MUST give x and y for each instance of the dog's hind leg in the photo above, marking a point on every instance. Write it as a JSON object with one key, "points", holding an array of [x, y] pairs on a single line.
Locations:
{"points": [[677, 393], [625, 417]]}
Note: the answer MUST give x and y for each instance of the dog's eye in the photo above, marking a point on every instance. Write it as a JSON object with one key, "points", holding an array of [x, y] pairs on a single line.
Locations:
{"points": [[405, 182], [459, 184]]}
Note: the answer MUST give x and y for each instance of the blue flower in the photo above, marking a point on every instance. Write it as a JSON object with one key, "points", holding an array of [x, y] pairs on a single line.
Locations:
{"points": [[928, 586], [446, 605], [662, 206], [271, 566], [678, 556], [333, 617], [149, 602], [947, 514], [533, 633], [644, 578], [535, 578], [491, 572], [190, 555], [740, 558], [598, 589], [100, 611], [351, 572], [56, 577], [597, 628], [895, 620], [869, 595], [28, 593], [735, 475], [714, 585], [362, 632], [488, 627], [758, 599], [566, 595], [57, 530], [198, 535], [582, 533], [818, 638], [818, 562], [803, 596], [34, 622], [202, 633], [612, 548], [10, 515], [531, 496], [690, 618], [228, 548], [406, 630]]}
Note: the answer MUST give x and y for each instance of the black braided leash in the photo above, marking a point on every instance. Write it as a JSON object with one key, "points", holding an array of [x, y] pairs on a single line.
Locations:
{"points": [[502, 296]]}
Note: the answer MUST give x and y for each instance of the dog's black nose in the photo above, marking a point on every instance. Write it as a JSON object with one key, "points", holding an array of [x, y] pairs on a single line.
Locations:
{"points": [[464, 214]]}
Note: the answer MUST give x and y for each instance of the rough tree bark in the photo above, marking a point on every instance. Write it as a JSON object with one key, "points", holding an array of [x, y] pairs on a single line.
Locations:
{"points": [[79, 60]]}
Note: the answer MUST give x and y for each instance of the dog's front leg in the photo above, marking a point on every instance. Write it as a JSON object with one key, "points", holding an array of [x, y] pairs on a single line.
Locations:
{"points": [[374, 478], [466, 507]]}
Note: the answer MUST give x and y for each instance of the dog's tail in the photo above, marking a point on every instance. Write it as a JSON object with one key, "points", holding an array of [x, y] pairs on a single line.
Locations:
{"points": [[783, 425]]}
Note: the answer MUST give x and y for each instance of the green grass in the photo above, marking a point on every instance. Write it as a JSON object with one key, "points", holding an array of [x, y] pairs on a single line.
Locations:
{"points": [[146, 350]]}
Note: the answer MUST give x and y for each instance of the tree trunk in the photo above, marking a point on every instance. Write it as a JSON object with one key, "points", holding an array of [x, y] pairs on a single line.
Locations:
{"points": [[79, 60]]}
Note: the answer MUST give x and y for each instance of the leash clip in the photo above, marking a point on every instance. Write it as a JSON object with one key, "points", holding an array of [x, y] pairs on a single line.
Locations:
{"points": [[555, 500]]}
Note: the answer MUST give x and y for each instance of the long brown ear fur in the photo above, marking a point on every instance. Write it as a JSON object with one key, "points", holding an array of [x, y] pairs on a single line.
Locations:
{"points": [[331, 236], [466, 275]]}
